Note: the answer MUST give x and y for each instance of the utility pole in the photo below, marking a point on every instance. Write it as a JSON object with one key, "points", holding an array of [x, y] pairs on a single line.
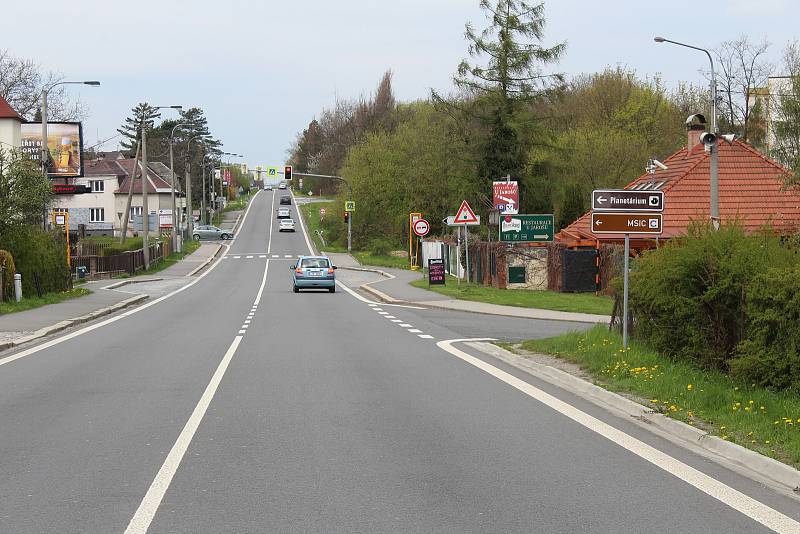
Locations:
{"points": [[131, 182], [189, 217], [203, 214], [145, 209]]}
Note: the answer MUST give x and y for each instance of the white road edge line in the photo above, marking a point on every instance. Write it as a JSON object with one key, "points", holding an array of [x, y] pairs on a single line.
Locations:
{"points": [[59, 340], [271, 220], [144, 515], [737, 500]]}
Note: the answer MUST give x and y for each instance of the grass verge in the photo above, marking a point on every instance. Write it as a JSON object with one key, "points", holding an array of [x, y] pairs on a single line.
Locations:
{"points": [[524, 298], [311, 217], [29, 303], [754, 417], [172, 259], [367, 258]]}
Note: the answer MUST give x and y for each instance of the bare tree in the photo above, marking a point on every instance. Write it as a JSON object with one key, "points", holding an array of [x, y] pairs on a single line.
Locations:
{"points": [[743, 67], [21, 84]]}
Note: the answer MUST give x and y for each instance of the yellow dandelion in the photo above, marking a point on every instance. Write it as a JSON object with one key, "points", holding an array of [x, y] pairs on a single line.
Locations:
{"points": [[689, 387]]}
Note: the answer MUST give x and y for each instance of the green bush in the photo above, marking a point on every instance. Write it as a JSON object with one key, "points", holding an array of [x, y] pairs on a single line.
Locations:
{"points": [[37, 251], [115, 247], [8, 272], [770, 354], [380, 246], [688, 298]]}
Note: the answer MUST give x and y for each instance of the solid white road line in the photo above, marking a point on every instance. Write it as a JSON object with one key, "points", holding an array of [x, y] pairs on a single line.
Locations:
{"points": [[155, 494], [271, 220], [737, 500], [303, 226], [152, 500]]}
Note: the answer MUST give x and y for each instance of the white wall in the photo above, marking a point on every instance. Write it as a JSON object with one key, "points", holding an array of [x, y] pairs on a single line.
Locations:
{"points": [[10, 134], [85, 201]]}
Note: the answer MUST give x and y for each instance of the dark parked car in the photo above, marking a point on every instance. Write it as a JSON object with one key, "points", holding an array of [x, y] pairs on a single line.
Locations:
{"points": [[286, 200]]}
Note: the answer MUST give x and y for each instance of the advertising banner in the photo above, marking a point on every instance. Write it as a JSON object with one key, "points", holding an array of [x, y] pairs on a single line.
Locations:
{"points": [[64, 142], [526, 228], [506, 197], [436, 272]]}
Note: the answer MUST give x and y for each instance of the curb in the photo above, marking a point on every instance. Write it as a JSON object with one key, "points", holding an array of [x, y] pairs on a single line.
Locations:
{"points": [[63, 325], [132, 281], [205, 263], [383, 297], [433, 304], [747, 460]]}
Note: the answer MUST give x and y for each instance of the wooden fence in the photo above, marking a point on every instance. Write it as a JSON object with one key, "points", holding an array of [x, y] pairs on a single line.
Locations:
{"points": [[98, 266]]}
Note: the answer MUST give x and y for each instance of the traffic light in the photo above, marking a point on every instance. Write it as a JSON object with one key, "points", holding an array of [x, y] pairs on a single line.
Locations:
{"points": [[346, 217], [287, 172]]}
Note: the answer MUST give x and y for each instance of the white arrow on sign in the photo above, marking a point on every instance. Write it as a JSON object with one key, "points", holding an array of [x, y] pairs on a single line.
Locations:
{"points": [[601, 200]]}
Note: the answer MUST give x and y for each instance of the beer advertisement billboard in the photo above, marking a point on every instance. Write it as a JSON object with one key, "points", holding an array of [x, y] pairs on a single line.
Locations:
{"points": [[64, 142]]}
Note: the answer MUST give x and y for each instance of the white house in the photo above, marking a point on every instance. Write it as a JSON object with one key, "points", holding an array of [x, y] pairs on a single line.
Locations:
{"points": [[10, 132]]}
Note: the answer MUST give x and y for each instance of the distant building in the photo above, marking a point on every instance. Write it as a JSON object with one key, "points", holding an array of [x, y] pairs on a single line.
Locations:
{"points": [[10, 131], [770, 98]]}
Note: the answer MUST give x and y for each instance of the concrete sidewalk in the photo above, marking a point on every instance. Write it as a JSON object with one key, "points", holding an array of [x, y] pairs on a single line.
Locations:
{"points": [[105, 299], [395, 288]]}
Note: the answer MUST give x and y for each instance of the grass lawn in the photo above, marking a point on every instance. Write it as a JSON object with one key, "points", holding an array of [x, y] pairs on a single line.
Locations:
{"points": [[366, 258], [754, 417], [310, 214], [28, 303], [546, 300]]}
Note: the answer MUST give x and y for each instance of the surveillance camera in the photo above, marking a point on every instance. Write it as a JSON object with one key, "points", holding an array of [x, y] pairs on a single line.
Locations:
{"points": [[708, 139]]}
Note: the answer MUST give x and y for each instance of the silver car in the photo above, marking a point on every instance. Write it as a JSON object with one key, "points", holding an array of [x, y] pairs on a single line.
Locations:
{"points": [[205, 231]]}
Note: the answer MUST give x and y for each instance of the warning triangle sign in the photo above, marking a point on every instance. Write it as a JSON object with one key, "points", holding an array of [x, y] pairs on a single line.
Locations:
{"points": [[465, 215]]}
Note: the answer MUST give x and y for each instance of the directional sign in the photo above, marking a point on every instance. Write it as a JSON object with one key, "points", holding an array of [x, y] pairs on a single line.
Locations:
{"points": [[627, 223], [350, 205], [627, 200], [422, 227], [465, 215], [527, 228]]}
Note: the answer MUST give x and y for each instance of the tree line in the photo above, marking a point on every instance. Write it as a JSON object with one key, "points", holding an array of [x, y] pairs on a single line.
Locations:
{"points": [[511, 113]]}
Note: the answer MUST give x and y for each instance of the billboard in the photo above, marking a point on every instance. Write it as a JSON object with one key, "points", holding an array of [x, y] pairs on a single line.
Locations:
{"points": [[506, 197], [64, 142]]}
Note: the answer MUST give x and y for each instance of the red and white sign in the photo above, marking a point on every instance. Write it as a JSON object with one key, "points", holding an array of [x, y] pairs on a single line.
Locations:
{"points": [[422, 227], [506, 197], [465, 215]]}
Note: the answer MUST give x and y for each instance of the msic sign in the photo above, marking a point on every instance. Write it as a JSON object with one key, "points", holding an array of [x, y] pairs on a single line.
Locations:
{"points": [[627, 223]]}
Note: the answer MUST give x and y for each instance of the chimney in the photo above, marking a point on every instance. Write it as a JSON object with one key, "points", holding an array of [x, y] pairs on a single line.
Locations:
{"points": [[695, 126]]}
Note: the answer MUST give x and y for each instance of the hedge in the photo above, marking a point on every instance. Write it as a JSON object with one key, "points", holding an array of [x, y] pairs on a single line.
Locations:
{"points": [[37, 251]]}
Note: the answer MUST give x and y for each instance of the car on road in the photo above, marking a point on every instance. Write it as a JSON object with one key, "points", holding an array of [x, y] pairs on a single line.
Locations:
{"points": [[284, 213], [205, 231], [283, 185], [287, 225], [268, 187], [313, 272], [286, 200]]}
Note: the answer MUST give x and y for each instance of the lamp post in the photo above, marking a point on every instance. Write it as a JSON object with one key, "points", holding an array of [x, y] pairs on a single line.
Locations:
{"points": [[189, 216], [44, 153], [175, 221], [145, 180], [714, 186]]}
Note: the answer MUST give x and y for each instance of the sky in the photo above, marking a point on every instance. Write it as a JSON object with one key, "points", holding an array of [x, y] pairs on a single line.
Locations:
{"points": [[262, 69]]}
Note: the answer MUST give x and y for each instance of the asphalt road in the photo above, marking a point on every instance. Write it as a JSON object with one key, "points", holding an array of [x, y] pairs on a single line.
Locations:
{"points": [[235, 405]]}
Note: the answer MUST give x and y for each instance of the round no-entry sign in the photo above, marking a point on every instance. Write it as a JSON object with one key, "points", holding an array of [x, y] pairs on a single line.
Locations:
{"points": [[422, 227]]}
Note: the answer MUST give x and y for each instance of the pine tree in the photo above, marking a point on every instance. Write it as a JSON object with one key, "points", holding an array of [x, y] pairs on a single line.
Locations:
{"points": [[143, 113]]}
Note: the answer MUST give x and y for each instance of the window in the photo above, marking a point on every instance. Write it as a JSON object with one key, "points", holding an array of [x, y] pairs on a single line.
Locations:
{"points": [[314, 263], [135, 210], [60, 210], [97, 214], [98, 186]]}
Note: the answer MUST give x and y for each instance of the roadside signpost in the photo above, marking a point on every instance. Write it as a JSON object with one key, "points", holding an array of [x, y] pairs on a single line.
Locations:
{"points": [[527, 228], [626, 211], [436, 274], [627, 200], [350, 205], [505, 197], [62, 219], [413, 217]]}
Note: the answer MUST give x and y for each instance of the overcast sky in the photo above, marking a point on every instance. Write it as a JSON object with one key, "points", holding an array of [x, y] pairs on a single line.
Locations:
{"points": [[262, 69]]}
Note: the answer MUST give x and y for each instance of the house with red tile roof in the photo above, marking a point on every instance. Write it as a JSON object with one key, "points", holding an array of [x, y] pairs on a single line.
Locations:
{"points": [[109, 181], [751, 190], [10, 131]]}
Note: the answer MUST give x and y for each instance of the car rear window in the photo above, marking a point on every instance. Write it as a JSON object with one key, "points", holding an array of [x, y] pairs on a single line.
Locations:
{"points": [[311, 263]]}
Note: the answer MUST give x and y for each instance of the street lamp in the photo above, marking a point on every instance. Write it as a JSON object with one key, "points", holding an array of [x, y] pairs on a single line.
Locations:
{"points": [[189, 216], [145, 207], [713, 146], [172, 174]]}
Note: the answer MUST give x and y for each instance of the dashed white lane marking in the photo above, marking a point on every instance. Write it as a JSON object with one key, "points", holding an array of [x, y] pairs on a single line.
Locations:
{"points": [[288, 256], [247, 321], [397, 320], [242, 331], [414, 330], [737, 500], [378, 309], [237, 257], [373, 306], [262, 256], [405, 325], [425, 336], [383, 313], [249, 257], [390, 317], [245, 326], [275, 256]]}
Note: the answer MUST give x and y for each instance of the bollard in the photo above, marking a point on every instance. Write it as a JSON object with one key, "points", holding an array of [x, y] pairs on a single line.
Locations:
{"points": [[18, 287]]}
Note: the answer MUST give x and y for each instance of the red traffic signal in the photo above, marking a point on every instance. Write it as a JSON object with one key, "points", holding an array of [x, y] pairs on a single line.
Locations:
{"points": [[346, 217], [287, 172]]}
